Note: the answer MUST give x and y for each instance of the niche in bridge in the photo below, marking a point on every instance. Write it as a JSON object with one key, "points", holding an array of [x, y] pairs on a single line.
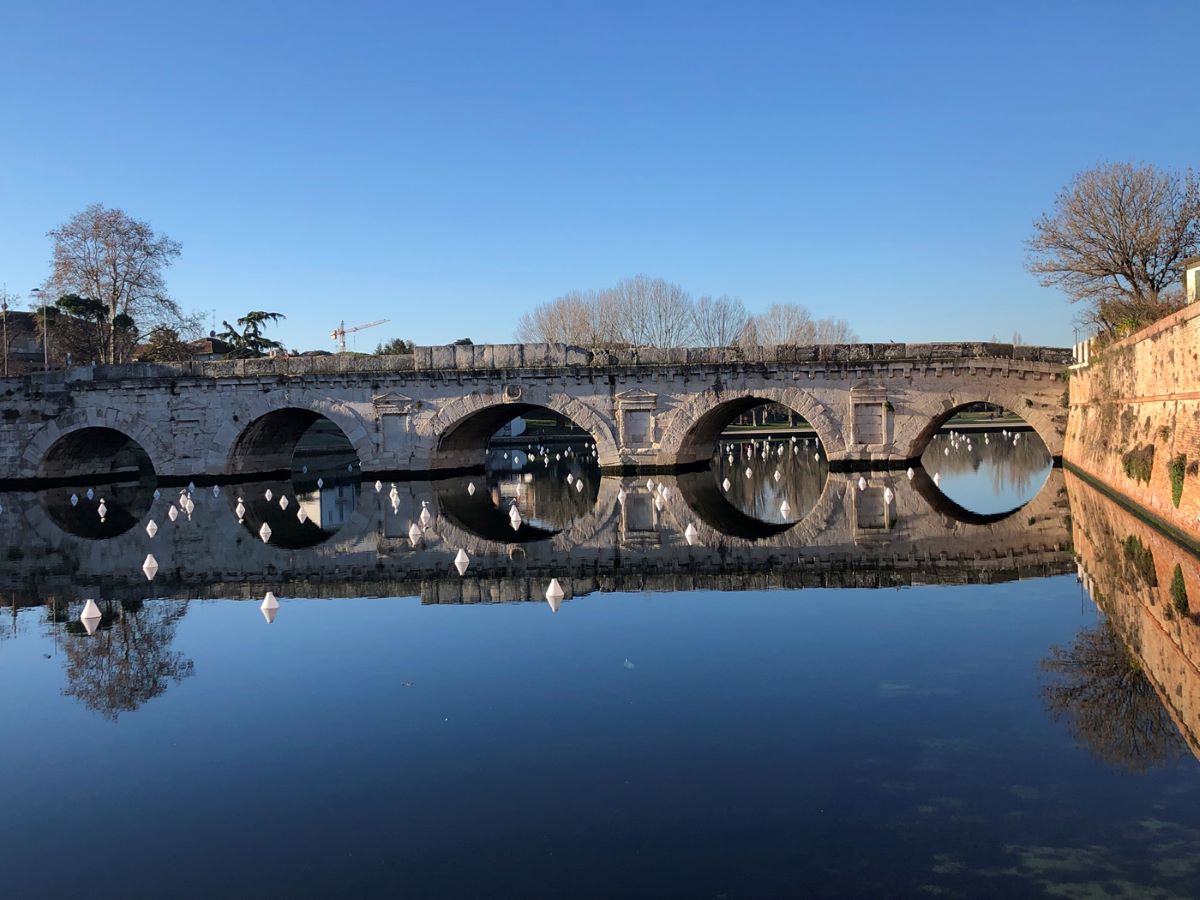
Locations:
{"points": [[96, 455], [765, 463], [293, 440], [299, 512], [125, 505], [985, 460]]}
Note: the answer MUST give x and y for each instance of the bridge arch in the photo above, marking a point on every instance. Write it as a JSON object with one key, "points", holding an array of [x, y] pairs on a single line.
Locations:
{"points": [[94, 446], [916, 430], [697, 423], [462, 428], [267, 440]]}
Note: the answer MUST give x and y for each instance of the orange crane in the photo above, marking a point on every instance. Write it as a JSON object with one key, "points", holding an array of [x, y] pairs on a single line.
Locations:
{"points": [[339, 333]]}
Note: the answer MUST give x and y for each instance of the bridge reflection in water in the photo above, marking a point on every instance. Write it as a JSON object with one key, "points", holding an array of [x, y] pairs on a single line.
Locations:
{"points": [[680, 532]]}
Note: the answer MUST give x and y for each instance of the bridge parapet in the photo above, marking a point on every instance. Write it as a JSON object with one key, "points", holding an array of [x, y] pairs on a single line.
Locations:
{"points": [[492, 357]]}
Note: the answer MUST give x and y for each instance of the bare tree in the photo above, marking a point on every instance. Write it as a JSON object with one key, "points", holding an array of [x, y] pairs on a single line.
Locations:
{"points": [[652, 312], [833, 331], [105, 255], [719, 321], [785, 323], [1115, 240]]}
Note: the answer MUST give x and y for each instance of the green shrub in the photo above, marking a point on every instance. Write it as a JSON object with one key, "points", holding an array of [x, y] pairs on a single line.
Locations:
{"points": [[1139, 463], [1139, 558], [1179, 597], [1177, 468]]}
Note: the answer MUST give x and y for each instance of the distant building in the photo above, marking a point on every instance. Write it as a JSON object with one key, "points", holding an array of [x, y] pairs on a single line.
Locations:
{"points": [[1191, 279], [210, 348], [22, 343]]}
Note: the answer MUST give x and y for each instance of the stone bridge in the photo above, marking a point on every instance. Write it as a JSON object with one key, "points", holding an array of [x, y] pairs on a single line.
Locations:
{"points": [[871, 405], [853, 536]]}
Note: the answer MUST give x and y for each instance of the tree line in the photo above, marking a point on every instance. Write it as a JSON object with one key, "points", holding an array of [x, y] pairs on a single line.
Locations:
{"points": [[653, 312]]}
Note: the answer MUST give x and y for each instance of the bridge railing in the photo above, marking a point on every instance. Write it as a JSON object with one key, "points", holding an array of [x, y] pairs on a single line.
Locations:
{"points": [[555, 356]]}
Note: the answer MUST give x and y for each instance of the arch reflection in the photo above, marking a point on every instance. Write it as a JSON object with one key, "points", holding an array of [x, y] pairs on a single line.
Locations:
{"points": [[125, 504]]}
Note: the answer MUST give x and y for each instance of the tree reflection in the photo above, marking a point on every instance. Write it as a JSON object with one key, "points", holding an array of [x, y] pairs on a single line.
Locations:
{"points": [[129, 660], [1097, 687], [1012, 467]]}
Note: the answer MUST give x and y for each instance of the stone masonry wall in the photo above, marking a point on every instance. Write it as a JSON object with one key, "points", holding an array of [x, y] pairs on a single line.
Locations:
{"points": [[1134, 419]]}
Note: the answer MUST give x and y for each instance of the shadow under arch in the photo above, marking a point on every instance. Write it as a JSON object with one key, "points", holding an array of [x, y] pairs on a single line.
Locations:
{"points": [[708, 419], [268, 443], [703, 496], [464, 443], [95, 454], [921, 442]]}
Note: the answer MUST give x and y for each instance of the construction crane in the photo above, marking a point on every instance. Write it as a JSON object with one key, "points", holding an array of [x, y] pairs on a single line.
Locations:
{"points": [[339, 333]]}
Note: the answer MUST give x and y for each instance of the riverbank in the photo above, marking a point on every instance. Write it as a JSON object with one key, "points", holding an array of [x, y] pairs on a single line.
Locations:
{"points": [[1134, 422]]}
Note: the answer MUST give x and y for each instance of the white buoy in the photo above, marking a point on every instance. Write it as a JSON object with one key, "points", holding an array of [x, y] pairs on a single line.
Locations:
{"points": [[283, 502], [172, 513], [726, 484], [150, 567], [649, 484], [471, 488], [240, 509], [777, 475], [74, 499], [691, 534], [514, 518], [888, 495], [102, 509], [816, 457], [90, 617], [862, 483], [90, 493], [151, 528], [461, 561], [320, 483], [749, 472], [265, 532], [425, 518], [946, 452], [269, 607], [414, 534], [910, 473], [301, 515], [270, 496], [579, 487], [378, 486], [554, 594], [570, 478], [785, 509], [216, 490]]}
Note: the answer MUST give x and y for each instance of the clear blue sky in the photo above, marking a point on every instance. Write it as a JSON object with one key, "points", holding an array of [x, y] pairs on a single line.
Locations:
{"points": [[449, 166]]}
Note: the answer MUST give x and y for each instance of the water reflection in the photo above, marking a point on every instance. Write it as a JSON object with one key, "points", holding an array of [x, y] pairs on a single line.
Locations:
{"points": [[1129, 689], [988, 471], [772, 480], [128, 660], [298, 512], [125, 504]]}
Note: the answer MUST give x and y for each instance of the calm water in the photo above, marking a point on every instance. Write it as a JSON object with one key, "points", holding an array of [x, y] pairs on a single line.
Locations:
{"points": [[888, 691]]}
